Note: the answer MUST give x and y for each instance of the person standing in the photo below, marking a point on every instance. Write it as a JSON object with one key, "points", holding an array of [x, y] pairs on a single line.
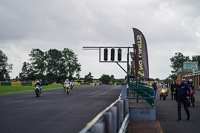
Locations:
{"points": [[172, 86], [154, 85], [100, 83], [182, 97]]}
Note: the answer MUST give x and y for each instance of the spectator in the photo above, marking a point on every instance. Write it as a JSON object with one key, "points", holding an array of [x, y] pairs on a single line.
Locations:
{"points": [[182, 97], [154, 85]]}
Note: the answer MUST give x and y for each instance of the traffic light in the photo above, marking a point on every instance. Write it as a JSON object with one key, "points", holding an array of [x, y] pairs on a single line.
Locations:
{"points": [[119, 54], [112, 54], [105, 54]]}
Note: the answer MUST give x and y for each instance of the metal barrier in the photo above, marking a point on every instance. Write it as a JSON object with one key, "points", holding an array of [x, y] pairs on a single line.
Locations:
{"points": [[142, 92], [5, 83], [113, 119]]}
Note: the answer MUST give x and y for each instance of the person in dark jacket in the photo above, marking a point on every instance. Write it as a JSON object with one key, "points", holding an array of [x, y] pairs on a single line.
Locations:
{"points": [[172, 86], [38, 83], [154, 85], [182, 96]]}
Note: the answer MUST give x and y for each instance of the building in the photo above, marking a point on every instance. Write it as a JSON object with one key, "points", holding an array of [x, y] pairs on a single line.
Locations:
{"points": [[190, 71]]}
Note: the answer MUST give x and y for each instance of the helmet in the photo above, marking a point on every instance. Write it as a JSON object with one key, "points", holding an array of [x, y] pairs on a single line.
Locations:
{"points": [[190, 80], [38, 81]]}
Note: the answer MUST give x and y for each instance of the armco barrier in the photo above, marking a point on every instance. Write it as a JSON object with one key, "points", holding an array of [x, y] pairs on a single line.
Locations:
{"points": [[16, 83], [33, 83], [5, 83], [114, 119], [26, 83], [142, 92]]}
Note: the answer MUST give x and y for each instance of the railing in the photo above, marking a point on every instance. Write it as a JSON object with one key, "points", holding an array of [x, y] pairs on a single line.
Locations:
{"points": [[113, 119], [142, 92]]}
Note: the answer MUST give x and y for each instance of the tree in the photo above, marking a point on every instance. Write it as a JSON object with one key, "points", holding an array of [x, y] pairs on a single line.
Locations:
{"points": [[105, 79], [70, 64], [27, 72], [78, 74], [113, 80], [173, 76], [38, 63], [61, 64], [54, 64], [5, 68], [151, 79], [177, 61], [88, 78]]}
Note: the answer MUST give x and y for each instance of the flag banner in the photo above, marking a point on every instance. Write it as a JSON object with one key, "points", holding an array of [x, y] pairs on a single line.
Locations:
{"points": [[140, 55], [132, 64]]}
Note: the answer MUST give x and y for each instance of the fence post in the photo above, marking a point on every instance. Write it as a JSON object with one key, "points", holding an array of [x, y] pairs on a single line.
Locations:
{"points": [[107, 119], [113, 110], [120, 113], [99, 127], [124, 91]]}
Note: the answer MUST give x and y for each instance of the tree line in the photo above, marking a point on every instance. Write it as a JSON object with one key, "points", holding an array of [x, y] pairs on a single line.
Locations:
{"points": [[50, 66], [56, 66]]}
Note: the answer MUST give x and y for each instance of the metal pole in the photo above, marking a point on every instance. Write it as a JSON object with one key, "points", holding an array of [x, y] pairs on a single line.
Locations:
{"points": [[121, 67], [99, 54], [128, 66]]}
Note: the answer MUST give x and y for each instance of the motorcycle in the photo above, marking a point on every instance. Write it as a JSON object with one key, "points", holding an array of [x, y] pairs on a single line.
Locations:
{"points": [[67, 89], [163, 93], [71, 86], [37, 90], [191, 98]]}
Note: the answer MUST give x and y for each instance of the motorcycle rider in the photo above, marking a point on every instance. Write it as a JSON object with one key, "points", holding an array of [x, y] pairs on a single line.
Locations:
{"points": [[164, 85], [67, 84], [183, 81], [71, 84], [182, 97], [163, 90], [38, 83], [190, 85]]}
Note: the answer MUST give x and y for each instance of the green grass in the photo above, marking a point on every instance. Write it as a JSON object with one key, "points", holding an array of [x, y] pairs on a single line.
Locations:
{"points": [[18, 89]]}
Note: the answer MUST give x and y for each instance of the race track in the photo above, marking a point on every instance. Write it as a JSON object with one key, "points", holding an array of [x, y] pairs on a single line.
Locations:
{"points": [[55, 111]]}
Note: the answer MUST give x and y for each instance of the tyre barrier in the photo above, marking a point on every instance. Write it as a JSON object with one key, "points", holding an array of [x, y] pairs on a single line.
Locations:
{"points": [[17, 83], [113, 119]]}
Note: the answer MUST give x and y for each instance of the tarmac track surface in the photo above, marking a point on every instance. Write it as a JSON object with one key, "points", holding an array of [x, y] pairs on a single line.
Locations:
{"points": [[55, 111]]}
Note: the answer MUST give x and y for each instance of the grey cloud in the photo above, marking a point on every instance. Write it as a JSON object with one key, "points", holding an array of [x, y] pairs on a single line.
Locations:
{"points": [[57, 24]]}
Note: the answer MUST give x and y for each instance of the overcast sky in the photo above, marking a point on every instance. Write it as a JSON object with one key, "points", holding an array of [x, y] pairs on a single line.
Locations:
{"points": [[169, 26]]}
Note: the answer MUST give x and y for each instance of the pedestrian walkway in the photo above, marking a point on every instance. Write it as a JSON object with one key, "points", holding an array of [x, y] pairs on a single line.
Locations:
{"points": [[143, 127], [166, 115], [197, 95]]}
